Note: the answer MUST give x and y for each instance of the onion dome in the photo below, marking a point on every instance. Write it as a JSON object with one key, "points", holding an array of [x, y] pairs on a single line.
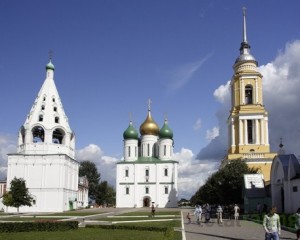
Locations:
{"points": [[130, 132], [149, 126], [50, 66], [165, 131]]}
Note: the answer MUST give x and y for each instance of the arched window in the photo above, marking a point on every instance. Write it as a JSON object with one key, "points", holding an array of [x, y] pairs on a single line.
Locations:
{"points": [[38, 134], [165, 150], [55, 109], [248, 94], [22, 132], [56, 119], [43, 107], [58, 136], [41, 117]]}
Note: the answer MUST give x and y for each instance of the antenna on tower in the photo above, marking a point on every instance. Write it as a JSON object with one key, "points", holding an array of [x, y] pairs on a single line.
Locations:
{"points": [[50, 55]]}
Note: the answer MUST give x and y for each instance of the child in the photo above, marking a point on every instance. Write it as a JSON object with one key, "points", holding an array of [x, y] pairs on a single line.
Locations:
{"points": [[188, 216]]}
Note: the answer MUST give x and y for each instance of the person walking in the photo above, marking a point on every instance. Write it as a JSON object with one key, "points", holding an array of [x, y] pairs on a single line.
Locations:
{"points": [[271, 224], [297, 223], [219, 214], [207, 213], [198, 213], [236, 211], [153, 210], [188, 216]]}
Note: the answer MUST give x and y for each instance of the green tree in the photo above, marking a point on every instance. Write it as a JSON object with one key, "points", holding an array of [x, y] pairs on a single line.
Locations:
{"points": [[18, 195], [89, 169], [224, 186], [105, 194]]}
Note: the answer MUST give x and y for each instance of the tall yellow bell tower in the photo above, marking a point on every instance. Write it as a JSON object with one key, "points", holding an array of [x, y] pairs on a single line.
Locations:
{"points": [[248, 121]]}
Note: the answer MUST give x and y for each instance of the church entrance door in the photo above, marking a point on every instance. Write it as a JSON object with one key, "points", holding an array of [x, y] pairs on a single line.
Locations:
{"points": [[146, 202]]}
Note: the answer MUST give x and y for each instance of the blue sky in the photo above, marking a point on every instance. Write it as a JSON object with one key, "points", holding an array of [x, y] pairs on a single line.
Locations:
{"points": [[112, 56]]}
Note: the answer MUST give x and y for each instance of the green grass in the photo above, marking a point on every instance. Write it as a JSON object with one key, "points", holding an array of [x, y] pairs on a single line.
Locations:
{"points": [[75, 213], [149, 213], [28, 219], [86, 234]]}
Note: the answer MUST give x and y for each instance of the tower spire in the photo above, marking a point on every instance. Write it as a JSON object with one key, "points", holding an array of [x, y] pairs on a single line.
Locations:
{"points": [[244, 28]]}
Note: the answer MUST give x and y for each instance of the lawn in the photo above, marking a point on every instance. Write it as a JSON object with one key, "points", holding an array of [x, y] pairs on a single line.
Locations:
{"points": [[86, 234]]}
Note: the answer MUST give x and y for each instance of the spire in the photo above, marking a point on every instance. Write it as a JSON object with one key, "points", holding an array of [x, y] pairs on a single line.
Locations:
{"points": [[50, 66], [245, 46]]}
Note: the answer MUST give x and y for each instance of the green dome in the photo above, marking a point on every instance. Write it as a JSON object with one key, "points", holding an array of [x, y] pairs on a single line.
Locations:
{"points": [[130, 133], [165, 131], [50, 66]]}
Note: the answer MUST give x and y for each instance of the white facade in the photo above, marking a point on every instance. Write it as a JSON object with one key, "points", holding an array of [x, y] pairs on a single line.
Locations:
{"points": [[148, 175], [285, 183], [45, 158]]}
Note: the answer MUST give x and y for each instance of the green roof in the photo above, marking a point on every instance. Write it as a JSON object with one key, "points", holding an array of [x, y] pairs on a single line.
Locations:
{"points": [[130, 132], [50, 66], [165, 131]]}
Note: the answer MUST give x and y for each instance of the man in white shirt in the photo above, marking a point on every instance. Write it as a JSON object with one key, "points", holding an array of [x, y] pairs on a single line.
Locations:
{"points": [[271, 225]]}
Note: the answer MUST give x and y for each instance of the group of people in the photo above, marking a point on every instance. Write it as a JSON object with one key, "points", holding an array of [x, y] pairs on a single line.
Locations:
{"points": [[206, 211]]}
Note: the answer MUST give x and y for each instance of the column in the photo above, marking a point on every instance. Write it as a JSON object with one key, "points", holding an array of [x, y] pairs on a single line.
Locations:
{"points": [[262, 136], [256, 91], [242, 92], [267, 131], [232, 133]]}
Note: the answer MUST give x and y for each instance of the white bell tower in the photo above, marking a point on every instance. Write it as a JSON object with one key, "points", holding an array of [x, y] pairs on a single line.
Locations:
{"points": [[45, 157]]}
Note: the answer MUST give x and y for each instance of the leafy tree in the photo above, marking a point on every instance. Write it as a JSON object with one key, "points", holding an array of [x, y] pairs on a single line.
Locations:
{"points": [[18, 195], [89, 169], [224, 186], [105, 194]]}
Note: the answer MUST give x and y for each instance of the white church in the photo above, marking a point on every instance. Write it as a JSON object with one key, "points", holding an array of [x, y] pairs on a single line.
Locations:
{"points": [[45, 157], [147, 176]]}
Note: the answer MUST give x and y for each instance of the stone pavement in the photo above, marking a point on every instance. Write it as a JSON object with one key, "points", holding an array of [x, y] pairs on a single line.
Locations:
{"points": [[229, 230]]}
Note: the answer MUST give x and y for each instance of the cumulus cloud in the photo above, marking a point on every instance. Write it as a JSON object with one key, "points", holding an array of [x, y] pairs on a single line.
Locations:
{"points": [[197, 125], [182, 75], [281, 82], [212, 133], [106, 165], [7, 145], [191, 173]]}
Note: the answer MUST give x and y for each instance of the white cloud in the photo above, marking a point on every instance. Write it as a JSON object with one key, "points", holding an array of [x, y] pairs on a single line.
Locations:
{"points": [[197, 125], [212, 133], [7, 145], [191, 173], [182, 75], [106, 165], [222, 93]]}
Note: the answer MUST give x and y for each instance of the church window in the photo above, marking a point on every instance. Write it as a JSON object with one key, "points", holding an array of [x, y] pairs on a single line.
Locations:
{"points": [[295, 189], [44, 99], [165, 150], [127, 190], [129, 153], [41, 117], [166, 190], [146, 190], [165, 172], [56, 119], [147, 172], [38, 134], [248, 94], [250, 131], [43, 107], [135, 151], [126, 172], [58, 136], [148, 150], [53, 99], [55, 109]]}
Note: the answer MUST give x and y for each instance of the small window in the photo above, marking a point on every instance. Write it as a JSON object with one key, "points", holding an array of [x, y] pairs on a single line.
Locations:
{"points": [[55, 109], [53, 99], [44, 99], [148, 150], [165, 150], [129, 153], [127, 190], [248, 94], [146, 190], [165, 172], [295, 188], [41, 117], [56, 120], [126, 172], [166, 190], [43, 107], [147, 172]]}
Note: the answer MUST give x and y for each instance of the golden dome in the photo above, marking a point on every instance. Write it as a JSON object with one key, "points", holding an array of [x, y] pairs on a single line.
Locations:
{"points": [[149, 126]]}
